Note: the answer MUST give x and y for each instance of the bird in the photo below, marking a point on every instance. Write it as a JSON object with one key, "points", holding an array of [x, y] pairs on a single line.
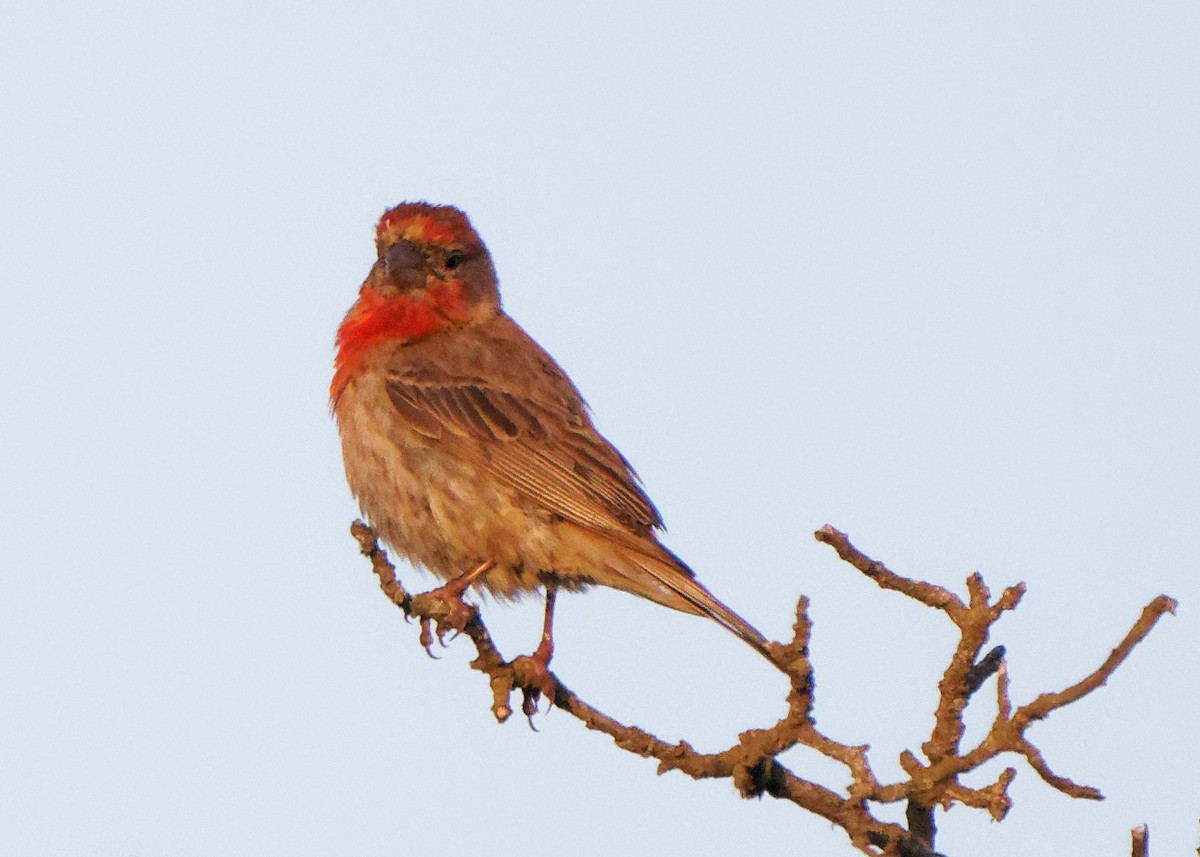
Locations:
{"points": [[469, 450]]}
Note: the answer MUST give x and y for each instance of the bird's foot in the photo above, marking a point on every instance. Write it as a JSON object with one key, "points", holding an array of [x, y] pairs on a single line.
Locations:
{"points": [[443, 610], [533, 676]]}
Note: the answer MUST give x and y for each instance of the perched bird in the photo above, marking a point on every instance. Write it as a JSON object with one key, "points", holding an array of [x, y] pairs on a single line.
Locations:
{"points": [[470, 451]]}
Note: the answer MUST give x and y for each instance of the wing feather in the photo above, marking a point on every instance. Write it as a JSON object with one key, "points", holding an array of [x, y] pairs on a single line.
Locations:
{"points": [[550, 454]]}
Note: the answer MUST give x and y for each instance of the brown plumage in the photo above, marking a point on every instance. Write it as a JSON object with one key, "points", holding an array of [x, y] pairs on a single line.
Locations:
{"points": [[465, 443]]}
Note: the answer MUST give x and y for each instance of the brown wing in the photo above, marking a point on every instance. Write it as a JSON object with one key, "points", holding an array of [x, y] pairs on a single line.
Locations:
{"points": [[551, 454]]}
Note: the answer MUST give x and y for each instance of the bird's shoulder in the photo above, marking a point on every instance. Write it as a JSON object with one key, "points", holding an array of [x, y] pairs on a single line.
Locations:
{"points": [[493, 387], [498, 356]]}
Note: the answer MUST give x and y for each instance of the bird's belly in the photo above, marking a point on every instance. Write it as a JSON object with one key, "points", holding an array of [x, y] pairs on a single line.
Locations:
{"points": [[442, 512]]}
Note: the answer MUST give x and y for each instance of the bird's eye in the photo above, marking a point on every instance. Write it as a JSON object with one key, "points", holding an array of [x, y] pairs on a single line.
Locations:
{"points": [[455, 259]]}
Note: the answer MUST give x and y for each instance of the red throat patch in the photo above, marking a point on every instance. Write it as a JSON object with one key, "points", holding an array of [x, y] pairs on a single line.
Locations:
{"points": [[375, 320]]}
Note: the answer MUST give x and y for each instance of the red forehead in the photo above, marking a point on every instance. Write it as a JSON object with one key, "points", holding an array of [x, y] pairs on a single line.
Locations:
{"points": [[422, 223]]}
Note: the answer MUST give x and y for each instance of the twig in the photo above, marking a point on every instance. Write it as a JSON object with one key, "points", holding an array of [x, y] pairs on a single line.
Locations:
{"points": [[985, 669], [1141, 841], [752, 763]]}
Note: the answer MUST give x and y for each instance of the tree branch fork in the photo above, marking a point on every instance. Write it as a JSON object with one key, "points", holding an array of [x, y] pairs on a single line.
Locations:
{"points": [[752, 763]]}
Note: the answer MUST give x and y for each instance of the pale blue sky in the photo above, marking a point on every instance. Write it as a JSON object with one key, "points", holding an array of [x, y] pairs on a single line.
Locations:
{"points": [[927, 272]]}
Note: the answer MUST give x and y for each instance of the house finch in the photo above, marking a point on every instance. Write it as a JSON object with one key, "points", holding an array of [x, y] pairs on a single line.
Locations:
{"points": [[471, 452]]}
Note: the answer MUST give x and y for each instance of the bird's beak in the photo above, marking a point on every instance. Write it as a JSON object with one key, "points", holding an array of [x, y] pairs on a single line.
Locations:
{"points": [[404, 263]]}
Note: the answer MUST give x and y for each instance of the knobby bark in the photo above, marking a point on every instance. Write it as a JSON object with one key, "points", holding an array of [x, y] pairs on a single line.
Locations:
{"points": [[752, 764]]}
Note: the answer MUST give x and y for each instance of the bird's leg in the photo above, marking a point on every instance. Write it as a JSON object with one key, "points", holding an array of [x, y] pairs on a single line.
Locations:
{"points": [[458, 585], [545, 650], [533, 671], [445, 606]]}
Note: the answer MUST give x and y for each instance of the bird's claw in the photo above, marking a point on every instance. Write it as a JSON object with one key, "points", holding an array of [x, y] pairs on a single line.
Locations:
{"points": [[442, 612], [426, 638], [529, 704], [533, 676]]}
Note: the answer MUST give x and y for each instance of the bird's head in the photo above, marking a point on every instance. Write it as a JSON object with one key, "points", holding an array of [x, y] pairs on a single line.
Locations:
{"points": [[431, 253], [432, 272]]}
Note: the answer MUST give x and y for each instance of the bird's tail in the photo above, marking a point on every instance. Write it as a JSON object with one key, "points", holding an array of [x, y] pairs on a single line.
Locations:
{"points": [[668, 581]]}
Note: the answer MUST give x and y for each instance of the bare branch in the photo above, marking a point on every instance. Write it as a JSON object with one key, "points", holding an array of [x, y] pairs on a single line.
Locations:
{"points": [[752, 763], [1141, 841], [918, 590], [1047, 702]]}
